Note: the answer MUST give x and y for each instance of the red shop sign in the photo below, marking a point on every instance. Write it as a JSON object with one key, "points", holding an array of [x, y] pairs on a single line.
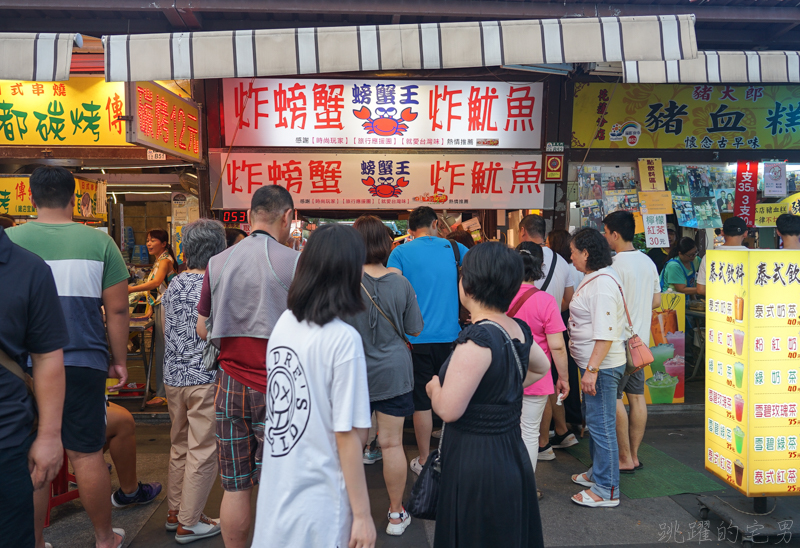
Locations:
{"points": [[746, 181]]}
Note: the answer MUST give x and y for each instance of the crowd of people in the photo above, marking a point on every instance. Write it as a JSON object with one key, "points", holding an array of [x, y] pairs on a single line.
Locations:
{"points": [[274, 362]]}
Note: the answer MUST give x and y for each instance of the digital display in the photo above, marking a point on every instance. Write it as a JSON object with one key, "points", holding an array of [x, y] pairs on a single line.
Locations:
{"points": [[233, 216]]}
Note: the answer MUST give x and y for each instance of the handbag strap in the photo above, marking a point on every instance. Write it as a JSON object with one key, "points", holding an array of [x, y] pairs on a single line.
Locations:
{"points": [[383, 314], [625, 304], [13, 367], [511, 342], [550, 272], [521, 301]]}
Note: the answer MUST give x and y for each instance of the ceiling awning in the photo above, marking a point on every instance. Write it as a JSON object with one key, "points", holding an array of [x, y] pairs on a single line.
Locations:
{"points": [[275, 52], [39, 57], [714, 67]]}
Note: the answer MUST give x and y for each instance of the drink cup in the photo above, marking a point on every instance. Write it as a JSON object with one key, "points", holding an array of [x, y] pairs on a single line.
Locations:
{"points": [[676, 367], [738, 337], [738, 307], [738, 372], [678, 340], [661, 387], [738, 436], [661, 353], [739, 406], [738, 467]]}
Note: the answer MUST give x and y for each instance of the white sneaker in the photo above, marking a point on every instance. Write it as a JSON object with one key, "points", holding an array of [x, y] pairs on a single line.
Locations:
{"points": [[437, 434], [415, 466], [203, 529], [546, 453], [397, 529]]}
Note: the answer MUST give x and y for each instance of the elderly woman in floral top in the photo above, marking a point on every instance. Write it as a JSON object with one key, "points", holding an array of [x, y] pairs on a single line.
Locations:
{"points": [[190, 390]]}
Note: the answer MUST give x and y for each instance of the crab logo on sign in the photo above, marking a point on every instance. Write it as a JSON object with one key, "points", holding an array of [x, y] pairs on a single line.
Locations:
{"points": [[288, 401], [385, 124]]}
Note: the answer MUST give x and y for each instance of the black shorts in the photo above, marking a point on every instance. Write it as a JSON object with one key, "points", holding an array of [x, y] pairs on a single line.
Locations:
{"points": [[398, 406], [631, 384], [428, 359], [83, 426], [16, 495]]}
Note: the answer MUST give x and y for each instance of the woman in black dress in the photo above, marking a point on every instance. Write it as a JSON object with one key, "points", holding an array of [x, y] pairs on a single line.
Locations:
{"points": [[487, 491]]}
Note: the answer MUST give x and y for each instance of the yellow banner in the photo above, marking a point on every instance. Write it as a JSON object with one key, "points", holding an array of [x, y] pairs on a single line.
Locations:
{"points": [[752, 370], [164, 121], [15, 197], [767, 214], [792, 204], [654, 203], [651, 116], [651, 174], [81, 112]]}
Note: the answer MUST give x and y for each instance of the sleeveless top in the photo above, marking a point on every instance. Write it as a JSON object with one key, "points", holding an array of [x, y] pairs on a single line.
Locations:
{"points": [[249, 285]]}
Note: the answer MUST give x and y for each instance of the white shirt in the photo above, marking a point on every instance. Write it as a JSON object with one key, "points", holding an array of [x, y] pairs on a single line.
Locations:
{"points": [[575, 275], [596, 313], [639, 282], [561, 276], [701, 271], [317, 386]]}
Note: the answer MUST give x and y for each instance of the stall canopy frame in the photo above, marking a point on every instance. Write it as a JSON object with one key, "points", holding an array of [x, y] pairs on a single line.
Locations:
{"points": [[276, 52], [37, 57]]}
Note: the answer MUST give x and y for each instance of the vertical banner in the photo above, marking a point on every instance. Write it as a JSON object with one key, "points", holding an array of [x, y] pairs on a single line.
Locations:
{"points": [[651, 174], [775, 179], [655, 230], [746, 180], [752, 370]]}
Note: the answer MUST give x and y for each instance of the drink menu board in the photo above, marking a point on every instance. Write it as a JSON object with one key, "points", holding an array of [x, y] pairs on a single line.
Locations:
{"points": [[752, 363]]}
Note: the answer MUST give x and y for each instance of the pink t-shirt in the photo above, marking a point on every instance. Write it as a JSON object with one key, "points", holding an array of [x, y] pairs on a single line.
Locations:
{"points": [[543, 316]]}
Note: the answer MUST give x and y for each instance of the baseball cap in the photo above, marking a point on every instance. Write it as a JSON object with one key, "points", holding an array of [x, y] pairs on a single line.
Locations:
{"points": [[734, 226], [671, 227]]}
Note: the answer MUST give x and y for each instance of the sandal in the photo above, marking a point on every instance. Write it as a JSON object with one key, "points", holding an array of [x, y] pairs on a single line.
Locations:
{"points": [[158, 400], [584, 499], [581, 479]]}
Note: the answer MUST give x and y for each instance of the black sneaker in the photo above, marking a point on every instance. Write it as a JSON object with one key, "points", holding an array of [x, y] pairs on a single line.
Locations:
{"points": [[147, 493], [563, 441]]}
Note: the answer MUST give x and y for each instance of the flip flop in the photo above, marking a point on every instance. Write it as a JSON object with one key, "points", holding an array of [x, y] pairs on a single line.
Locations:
{"points": [[641, 465], [586, 500], [627, 471], [580, 480]]}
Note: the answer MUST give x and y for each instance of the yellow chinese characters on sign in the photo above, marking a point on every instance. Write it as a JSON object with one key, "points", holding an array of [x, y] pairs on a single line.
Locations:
{"points": [[704, 116], [651, 174], [164, 121], [767, 214], [751, 400], [15, 197], [81, 112]]}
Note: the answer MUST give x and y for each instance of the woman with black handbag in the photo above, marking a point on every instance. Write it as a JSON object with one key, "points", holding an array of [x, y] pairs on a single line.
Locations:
{"points": [[487, 490]]}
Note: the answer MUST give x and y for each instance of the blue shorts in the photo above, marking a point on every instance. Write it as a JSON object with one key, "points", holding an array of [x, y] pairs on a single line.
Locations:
{"points": [[398, 406]]}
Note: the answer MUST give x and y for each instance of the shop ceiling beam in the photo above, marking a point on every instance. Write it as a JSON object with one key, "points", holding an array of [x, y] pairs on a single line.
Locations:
{"points": [[480, 9]]}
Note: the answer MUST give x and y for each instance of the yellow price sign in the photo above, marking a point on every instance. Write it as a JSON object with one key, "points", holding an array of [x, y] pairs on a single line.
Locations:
{"points": [[767, 214], [656, 202], [15, 197], [752, 364]]}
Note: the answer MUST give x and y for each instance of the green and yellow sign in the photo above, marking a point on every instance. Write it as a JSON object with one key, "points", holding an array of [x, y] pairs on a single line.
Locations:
{"points": [[81, 112], [704, 116]]}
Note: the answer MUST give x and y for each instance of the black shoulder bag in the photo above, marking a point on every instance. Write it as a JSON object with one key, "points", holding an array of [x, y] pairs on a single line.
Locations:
{"points": [[550, 272]]}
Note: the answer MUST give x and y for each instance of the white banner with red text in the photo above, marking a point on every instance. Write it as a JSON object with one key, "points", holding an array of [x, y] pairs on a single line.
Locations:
{"points": [[382, 113], [371, 180]]}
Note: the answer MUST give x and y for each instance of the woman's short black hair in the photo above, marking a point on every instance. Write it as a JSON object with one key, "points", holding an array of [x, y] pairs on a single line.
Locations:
{"points": [[491, 274], [231, 234], [532, 259], [589, 239], [376, 238], [682, 245], [327, 283]]}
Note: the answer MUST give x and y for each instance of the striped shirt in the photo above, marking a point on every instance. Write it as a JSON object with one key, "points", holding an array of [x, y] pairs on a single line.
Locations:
{"points": [[84, 262]]}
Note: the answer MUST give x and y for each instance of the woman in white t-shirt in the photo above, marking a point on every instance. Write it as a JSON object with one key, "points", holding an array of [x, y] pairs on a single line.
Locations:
{"points": [[313, 491], [597, 317]]}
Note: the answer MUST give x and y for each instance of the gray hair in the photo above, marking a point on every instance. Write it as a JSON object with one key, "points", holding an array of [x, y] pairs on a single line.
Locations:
{"points": [[201, 240]]}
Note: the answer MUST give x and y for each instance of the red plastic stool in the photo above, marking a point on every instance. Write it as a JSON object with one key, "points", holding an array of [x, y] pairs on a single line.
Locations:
{"points": [[60, 492]]}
